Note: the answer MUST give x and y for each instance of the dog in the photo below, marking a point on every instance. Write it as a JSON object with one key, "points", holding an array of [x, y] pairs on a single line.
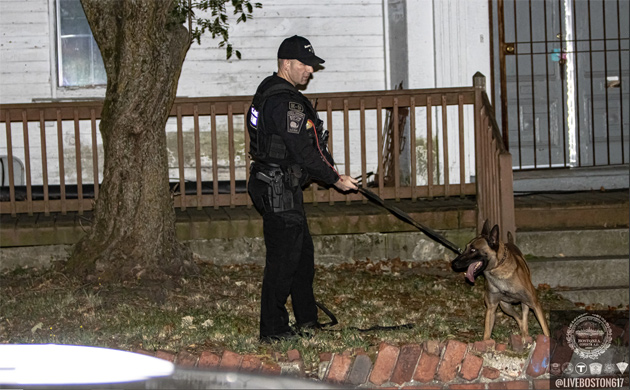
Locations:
{"points": [[508, 280]]}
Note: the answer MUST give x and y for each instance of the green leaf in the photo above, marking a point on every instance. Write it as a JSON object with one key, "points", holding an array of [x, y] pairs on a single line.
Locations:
{"points": [[218, 24]]}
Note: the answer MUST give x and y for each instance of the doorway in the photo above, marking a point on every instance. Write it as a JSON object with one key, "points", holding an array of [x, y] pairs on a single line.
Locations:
{"points": [[561, 73]]}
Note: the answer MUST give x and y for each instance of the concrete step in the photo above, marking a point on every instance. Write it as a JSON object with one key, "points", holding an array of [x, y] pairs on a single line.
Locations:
{"points": [[574, 243], [613, 297], [580, 272], [589, 280]]}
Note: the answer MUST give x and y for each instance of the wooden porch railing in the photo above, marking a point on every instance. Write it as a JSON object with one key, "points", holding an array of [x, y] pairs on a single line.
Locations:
{"points": [[495, 191], [449, 131]]}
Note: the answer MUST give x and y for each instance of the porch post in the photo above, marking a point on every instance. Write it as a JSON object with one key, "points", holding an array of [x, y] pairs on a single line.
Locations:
{"points": [[479, 83], [506, 186]]}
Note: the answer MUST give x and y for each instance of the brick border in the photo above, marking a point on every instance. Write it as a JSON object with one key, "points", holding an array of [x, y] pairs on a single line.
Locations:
{"points": [[430, 365]]}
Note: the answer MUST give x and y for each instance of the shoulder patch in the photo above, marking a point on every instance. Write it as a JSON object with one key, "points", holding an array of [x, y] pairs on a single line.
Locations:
{"points": [[295, 119], [293, 106], [253, 119]]}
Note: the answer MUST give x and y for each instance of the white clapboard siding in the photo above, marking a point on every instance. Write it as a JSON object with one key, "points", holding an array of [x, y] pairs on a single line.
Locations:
{"points": [[23, 89], [35, 25], [32, 54], [347, 34], [28, 67], [24, 50]]}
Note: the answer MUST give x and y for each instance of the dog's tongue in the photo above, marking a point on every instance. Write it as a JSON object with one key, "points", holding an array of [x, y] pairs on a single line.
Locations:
{"points": [[470, 273]]}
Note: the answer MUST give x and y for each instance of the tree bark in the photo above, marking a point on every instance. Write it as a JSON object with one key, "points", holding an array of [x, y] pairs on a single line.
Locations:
{"points": [[143, 46]]}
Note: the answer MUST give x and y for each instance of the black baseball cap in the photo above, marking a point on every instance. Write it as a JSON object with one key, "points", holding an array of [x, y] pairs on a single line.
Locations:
{"points": [[299, 48]]}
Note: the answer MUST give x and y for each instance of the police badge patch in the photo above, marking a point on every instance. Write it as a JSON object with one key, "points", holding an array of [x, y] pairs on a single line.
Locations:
{"points": [[295, 120]]}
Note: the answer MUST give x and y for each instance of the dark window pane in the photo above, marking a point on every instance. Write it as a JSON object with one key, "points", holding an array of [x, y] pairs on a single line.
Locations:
{"points": [[72, 18]]}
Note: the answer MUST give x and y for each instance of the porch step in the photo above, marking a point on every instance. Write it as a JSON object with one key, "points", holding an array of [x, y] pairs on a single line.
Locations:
{"points": [[574, 243], [589, 280], [613, 297], [572, 179], [584, 272]]}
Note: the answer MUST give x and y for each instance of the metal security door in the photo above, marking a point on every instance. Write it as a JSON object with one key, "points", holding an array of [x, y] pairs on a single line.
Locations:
{"points": [[563, 81]]}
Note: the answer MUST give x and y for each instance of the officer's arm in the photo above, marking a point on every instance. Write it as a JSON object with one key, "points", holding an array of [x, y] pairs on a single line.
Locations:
{"points": [[291, 126]]}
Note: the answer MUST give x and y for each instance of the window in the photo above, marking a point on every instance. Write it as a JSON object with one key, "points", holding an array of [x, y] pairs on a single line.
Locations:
{"points": [[79, 62]]}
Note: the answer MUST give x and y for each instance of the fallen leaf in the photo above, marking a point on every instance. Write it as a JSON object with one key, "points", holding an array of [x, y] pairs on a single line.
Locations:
{"points": [[37, 327]]}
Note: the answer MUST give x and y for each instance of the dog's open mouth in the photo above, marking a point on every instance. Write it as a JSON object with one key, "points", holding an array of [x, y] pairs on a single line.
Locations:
{"points": [[470, 273]]}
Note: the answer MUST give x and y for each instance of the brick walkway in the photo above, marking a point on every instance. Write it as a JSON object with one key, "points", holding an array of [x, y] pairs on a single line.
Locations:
{"points": [[523, 364]]}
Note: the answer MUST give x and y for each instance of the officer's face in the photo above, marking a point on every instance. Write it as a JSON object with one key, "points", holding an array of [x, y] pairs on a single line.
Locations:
{"points": [[297, 73]]}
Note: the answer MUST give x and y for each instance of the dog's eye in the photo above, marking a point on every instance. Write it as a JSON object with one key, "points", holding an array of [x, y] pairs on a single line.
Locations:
{"points": [[473, 250]]}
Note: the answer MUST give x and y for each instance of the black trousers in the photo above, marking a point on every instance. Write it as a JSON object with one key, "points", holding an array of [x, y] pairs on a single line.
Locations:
{"points": [[289, 270], [289, 263]]}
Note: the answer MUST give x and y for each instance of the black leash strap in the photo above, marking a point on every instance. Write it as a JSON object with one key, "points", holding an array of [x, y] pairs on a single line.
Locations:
{"points": [[432, 234], [333, 322], [333, 319], [379, 327]]}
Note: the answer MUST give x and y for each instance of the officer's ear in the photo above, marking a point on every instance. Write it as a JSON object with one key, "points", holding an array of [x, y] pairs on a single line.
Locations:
{"points": [[283, 64]]}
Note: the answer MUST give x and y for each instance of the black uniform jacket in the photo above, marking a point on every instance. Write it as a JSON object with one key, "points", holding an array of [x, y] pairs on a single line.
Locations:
{"points": [[287, 114]]}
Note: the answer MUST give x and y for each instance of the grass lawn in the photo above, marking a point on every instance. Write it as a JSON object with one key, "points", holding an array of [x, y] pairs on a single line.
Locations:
{"points": [[219, 309]]}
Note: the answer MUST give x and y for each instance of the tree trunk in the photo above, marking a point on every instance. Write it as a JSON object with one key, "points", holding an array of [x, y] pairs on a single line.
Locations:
{"points": [[133, 230]]}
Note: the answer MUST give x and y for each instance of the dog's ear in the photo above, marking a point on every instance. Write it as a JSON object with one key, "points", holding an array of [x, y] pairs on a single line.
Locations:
{"points": [[493, 238], [485, 230], [510, 238]]}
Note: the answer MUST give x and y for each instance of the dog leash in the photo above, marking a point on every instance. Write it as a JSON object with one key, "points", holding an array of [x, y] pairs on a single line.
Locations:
{"points": [[432, 234], [333, 322]]}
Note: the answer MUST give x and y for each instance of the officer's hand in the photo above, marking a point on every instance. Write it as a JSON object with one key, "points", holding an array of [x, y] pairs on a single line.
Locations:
{"points": [[346, 183]]}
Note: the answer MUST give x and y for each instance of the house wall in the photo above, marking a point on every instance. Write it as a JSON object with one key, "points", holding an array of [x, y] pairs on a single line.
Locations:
{"points": [[447, 42], [347, 34], [25, 55]]}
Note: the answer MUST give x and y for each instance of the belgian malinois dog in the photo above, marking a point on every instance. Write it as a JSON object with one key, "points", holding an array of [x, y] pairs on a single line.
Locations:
{"points": [[508, 280]]}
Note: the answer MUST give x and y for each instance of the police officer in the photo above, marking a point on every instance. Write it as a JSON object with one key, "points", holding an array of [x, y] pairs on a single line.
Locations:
{"points": [[288, 148]]}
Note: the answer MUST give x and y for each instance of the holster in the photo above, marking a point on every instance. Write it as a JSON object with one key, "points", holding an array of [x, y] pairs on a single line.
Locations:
{"points": [[281, 185]]}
